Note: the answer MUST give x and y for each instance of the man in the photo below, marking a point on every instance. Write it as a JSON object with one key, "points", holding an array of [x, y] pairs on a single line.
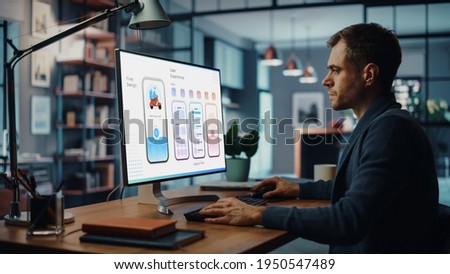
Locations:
{"points": [[385, 195]]}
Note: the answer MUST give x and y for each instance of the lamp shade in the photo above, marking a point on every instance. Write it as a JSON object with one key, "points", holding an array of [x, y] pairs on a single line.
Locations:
{"points": [[309, 76], [271, 58], [150, 15], [293, 67]]}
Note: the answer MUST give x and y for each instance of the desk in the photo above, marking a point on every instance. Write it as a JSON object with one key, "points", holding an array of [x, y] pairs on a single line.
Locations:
{"points": [[218, 238]]}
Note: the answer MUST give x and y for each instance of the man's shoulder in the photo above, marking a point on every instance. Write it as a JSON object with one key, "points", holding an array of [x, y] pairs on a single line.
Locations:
{"points": [[396, 115]]}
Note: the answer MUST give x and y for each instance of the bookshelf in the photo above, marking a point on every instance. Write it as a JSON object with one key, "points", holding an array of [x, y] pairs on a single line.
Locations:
{"points": [[85, 95]]}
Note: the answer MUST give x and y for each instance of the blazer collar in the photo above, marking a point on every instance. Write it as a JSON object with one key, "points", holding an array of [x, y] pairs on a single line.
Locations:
{"points": [[380, 105]]}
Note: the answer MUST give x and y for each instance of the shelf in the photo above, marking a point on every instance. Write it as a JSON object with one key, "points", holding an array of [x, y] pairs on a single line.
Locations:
{"points": [[94, 94], [87, 62], [81, 126], [91, 33], [99, 4], [76, 159], [86, 191]]}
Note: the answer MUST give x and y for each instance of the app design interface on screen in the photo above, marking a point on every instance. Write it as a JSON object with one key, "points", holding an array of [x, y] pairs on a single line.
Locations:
{"points": [[172, 118]]}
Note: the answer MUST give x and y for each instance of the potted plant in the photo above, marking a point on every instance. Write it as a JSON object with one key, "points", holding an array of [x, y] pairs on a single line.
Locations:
{"points": [[238, 166]]}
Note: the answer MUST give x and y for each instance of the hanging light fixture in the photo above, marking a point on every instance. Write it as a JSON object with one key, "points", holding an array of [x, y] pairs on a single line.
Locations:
{"points": [[271, 57], [294, 66], [310, 74]]}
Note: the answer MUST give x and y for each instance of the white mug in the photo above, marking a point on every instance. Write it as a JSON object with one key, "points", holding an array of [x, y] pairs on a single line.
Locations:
{"points": [[324, 172]]}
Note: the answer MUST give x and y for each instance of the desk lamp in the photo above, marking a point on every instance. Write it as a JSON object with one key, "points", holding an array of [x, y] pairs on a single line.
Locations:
{"points": [[146, 14]]}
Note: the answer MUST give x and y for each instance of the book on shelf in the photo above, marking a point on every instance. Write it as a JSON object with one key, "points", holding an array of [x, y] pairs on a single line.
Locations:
{"points": [[102, 146], [71, 84], [147, 228], [106, 171], [99, 82], [101, 114], [90, 115]]}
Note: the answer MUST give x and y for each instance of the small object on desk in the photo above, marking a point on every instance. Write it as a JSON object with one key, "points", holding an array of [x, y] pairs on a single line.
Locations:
{"points": [[262, 191], [145, 228], [177, 239], [195, 216]]}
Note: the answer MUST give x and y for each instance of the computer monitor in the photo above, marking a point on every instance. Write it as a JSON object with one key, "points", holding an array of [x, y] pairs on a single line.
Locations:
{"points": [[171, 122]]}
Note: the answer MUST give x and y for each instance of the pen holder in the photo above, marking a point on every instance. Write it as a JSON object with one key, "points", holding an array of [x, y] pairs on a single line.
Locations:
{"points": [[46, 214]]}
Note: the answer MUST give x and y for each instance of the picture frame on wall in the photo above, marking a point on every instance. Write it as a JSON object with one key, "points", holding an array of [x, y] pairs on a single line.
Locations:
{"points": [[41, 17], [40, 69], [308, 109], [40, 114]]}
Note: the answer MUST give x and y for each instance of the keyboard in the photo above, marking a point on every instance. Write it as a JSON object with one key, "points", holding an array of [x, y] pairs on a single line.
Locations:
{"points": [[196, 216]]}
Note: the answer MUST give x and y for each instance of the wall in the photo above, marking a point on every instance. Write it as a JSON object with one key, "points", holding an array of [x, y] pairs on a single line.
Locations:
{"points": [[42, 144], [282, 89], [20, 11], [413, 65]]}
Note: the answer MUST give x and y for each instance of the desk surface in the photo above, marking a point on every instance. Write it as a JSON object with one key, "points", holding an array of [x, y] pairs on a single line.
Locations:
{"points": [[218, 238]]}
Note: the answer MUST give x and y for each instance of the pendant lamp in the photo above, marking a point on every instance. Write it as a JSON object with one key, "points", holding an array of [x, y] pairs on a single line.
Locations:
{"points": [[271, 56], [294, 66], [310, 74]]}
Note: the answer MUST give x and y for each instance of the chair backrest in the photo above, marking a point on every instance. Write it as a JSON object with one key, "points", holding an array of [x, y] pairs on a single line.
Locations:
{"points": [[442, 244]]}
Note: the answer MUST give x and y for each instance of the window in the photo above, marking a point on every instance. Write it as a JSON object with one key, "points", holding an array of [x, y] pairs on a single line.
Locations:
{"points": [[230, 61]]}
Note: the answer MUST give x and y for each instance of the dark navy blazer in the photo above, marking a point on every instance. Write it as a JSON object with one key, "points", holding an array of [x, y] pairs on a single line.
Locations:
{"points": [[384, 198]]}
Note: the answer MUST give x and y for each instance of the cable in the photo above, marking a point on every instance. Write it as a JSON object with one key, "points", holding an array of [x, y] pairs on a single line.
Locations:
{"points": [[112, 191], [122, 191]]}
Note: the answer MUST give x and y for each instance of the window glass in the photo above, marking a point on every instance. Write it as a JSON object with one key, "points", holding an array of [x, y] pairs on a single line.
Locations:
{"points": [[229, 60], [181, 35], [381, 15], [439, 57], [410, 19], [438, 19]]}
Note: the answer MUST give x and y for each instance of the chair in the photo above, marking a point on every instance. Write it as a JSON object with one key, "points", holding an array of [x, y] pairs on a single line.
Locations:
{"points": [[442, 241]]}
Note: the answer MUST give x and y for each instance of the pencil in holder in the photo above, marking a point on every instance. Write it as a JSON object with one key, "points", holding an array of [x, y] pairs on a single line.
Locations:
{"points": [[46, 214]]}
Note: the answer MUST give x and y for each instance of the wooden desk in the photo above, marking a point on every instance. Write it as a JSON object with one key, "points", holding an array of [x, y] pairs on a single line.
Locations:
{"points": [[218, 238]]}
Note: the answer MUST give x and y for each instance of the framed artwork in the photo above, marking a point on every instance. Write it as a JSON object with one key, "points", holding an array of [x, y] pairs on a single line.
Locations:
{"points": [[307, 109], [40, 69], [41, 15], [40, 114]]}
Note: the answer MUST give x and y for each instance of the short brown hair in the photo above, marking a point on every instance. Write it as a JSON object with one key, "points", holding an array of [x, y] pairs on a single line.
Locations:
{"points": [[371, 43]]}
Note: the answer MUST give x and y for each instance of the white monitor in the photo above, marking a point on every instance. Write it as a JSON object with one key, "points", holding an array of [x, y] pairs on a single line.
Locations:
{"points": [[171, 120]]}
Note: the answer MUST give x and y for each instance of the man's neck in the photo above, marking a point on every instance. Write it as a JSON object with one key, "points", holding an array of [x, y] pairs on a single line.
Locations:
{"points": [[366, 103]]}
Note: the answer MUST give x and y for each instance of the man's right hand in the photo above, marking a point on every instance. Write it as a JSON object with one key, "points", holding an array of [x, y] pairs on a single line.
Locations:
{"points": [[283, 188]]}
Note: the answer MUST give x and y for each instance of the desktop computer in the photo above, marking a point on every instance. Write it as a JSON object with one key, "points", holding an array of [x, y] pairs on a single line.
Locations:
{"points": [[171, 122]]}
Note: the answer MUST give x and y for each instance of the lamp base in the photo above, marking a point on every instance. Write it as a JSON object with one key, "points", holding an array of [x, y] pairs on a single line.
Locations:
{"points": [[22, 220]]}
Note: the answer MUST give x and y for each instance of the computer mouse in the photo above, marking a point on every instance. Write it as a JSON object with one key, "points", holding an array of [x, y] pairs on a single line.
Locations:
{"points": [[259, 194]]}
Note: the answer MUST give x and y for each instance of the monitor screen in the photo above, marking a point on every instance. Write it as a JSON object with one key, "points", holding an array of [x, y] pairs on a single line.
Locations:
{"points": [[171, 118]]}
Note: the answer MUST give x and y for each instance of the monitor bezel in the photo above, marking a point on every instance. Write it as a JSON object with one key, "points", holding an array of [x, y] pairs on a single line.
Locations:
{"points": [[118, 68]]}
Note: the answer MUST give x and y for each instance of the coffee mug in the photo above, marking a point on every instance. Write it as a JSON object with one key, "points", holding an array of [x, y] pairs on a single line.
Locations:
{"points": [[324, 172]]}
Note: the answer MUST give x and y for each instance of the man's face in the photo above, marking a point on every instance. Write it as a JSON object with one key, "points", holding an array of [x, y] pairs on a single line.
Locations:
{"points": [[345, 83]]}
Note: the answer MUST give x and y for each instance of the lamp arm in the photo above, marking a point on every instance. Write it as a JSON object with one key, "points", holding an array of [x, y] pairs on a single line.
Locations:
{"points": [[9, 68]]}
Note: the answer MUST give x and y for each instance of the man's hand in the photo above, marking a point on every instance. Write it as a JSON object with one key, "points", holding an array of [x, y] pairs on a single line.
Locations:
{"points": [[283, 188], [231, 211]]}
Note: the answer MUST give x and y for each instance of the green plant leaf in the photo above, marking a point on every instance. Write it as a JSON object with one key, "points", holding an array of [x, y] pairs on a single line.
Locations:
{"points": [[232, 146]]}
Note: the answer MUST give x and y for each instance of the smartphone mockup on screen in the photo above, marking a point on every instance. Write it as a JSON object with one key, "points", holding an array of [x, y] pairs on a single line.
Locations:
{"points": [[180, 132], [197, 130], [212, 130], [155, 120]]}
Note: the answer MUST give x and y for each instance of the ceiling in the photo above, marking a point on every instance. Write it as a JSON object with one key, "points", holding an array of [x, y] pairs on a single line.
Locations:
{"points": [[316, 19], [315, 23]]}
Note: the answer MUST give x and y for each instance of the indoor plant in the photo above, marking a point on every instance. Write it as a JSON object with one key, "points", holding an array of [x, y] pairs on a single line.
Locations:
{"points": [[236, 145]]}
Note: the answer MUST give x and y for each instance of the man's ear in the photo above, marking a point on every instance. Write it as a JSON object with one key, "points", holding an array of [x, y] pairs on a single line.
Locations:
{"points": [[371, 71]]}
